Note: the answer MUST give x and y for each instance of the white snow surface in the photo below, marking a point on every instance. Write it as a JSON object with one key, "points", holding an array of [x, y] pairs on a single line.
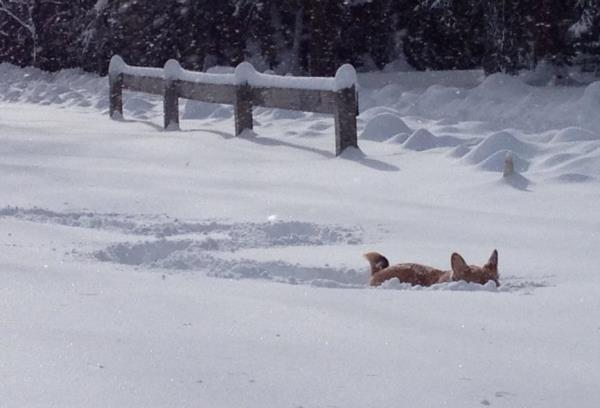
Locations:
{"points": [[244, 73], [148, 268]]}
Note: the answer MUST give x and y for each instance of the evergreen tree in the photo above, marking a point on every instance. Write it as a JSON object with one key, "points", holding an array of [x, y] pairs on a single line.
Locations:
{"points": [[301, 36], [18, 32], [368, 32], [510, 35], [584, 33], [323, 35], [551, 41], [445, 34]]}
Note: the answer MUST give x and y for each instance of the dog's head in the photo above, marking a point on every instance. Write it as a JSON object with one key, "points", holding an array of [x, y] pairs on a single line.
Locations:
{"points": [[377, 261], [473, 273]]}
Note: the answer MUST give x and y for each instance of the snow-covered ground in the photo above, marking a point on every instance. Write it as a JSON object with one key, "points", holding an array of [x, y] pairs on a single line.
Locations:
{"points": [[148, 268]]}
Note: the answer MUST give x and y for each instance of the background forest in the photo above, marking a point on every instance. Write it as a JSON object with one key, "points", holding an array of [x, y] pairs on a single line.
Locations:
{"points": [[302, 36]]}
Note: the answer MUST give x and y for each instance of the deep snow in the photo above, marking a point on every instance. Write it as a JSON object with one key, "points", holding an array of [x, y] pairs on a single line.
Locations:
{"points": [[151, 268]]}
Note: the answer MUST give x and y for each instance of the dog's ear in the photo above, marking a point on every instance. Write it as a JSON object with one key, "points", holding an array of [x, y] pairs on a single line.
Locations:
{"points": [[459, 266], [493, 261], [377, 261]]}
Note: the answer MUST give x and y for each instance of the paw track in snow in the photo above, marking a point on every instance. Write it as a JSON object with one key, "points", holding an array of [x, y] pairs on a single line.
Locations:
{"points": [[242, 235], [208, 246]]}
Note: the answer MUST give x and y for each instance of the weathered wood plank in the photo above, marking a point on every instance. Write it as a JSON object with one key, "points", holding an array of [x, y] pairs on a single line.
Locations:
{"points": [[345, 120], [307, 100], [211, 93], [149, 85]]}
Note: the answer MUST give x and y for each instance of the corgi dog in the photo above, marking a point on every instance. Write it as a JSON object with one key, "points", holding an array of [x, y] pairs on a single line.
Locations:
{"points": [[423, 275]]}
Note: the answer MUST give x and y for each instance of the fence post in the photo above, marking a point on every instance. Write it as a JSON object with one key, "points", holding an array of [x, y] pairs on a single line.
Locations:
{"points": [[171, 105], [172, 70], [346, 109], [116, 96], [243, 108], [115, 86]]}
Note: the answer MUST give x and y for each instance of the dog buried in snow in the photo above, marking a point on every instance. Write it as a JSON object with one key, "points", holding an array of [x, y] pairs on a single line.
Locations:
{"points": [[423, 275]]}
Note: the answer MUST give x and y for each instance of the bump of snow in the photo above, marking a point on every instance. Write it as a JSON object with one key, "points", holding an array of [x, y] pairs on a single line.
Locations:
{"points": [[287, 114], [345, 77], [575, 134], [501, 86], [137, 105], [496, 162], [117, 65], [459, 151], [499, 142], [244, 73], [198, 110], [376, 110], [222, 112], [591, 94], [436, 97], [172, 70], [399, 138], [558, 159], [422, 139], [572, 178], [383, 126]]}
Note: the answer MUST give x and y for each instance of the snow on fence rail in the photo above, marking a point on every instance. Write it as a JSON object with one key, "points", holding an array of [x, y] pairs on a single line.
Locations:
{"points": [[243, 89]]}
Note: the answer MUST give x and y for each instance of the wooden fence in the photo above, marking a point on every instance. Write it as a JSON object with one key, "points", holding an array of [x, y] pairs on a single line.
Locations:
{"points": [[243, 89]]}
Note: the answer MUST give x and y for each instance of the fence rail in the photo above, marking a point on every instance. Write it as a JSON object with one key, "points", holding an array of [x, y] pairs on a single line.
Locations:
{"points": [[244, 89]]}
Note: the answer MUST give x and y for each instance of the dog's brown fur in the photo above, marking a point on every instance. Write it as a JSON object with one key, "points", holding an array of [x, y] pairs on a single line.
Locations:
{"points": [[423, 275]]}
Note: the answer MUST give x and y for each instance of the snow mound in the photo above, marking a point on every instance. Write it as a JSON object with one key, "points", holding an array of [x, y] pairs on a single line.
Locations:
{"points": [[422, 139], [496, 161], [398, 139], [137, 105], [575, 134], [245, 73], [287, 114], [345, 77], [173, 70], [558, 159], [588, 164], [436, 97], [383, 126], [459, 151], [572, 178], [501, 87], [591, 95], [198, 110], [375, 111], [499, 142], [222, 112], [388, 94]]}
